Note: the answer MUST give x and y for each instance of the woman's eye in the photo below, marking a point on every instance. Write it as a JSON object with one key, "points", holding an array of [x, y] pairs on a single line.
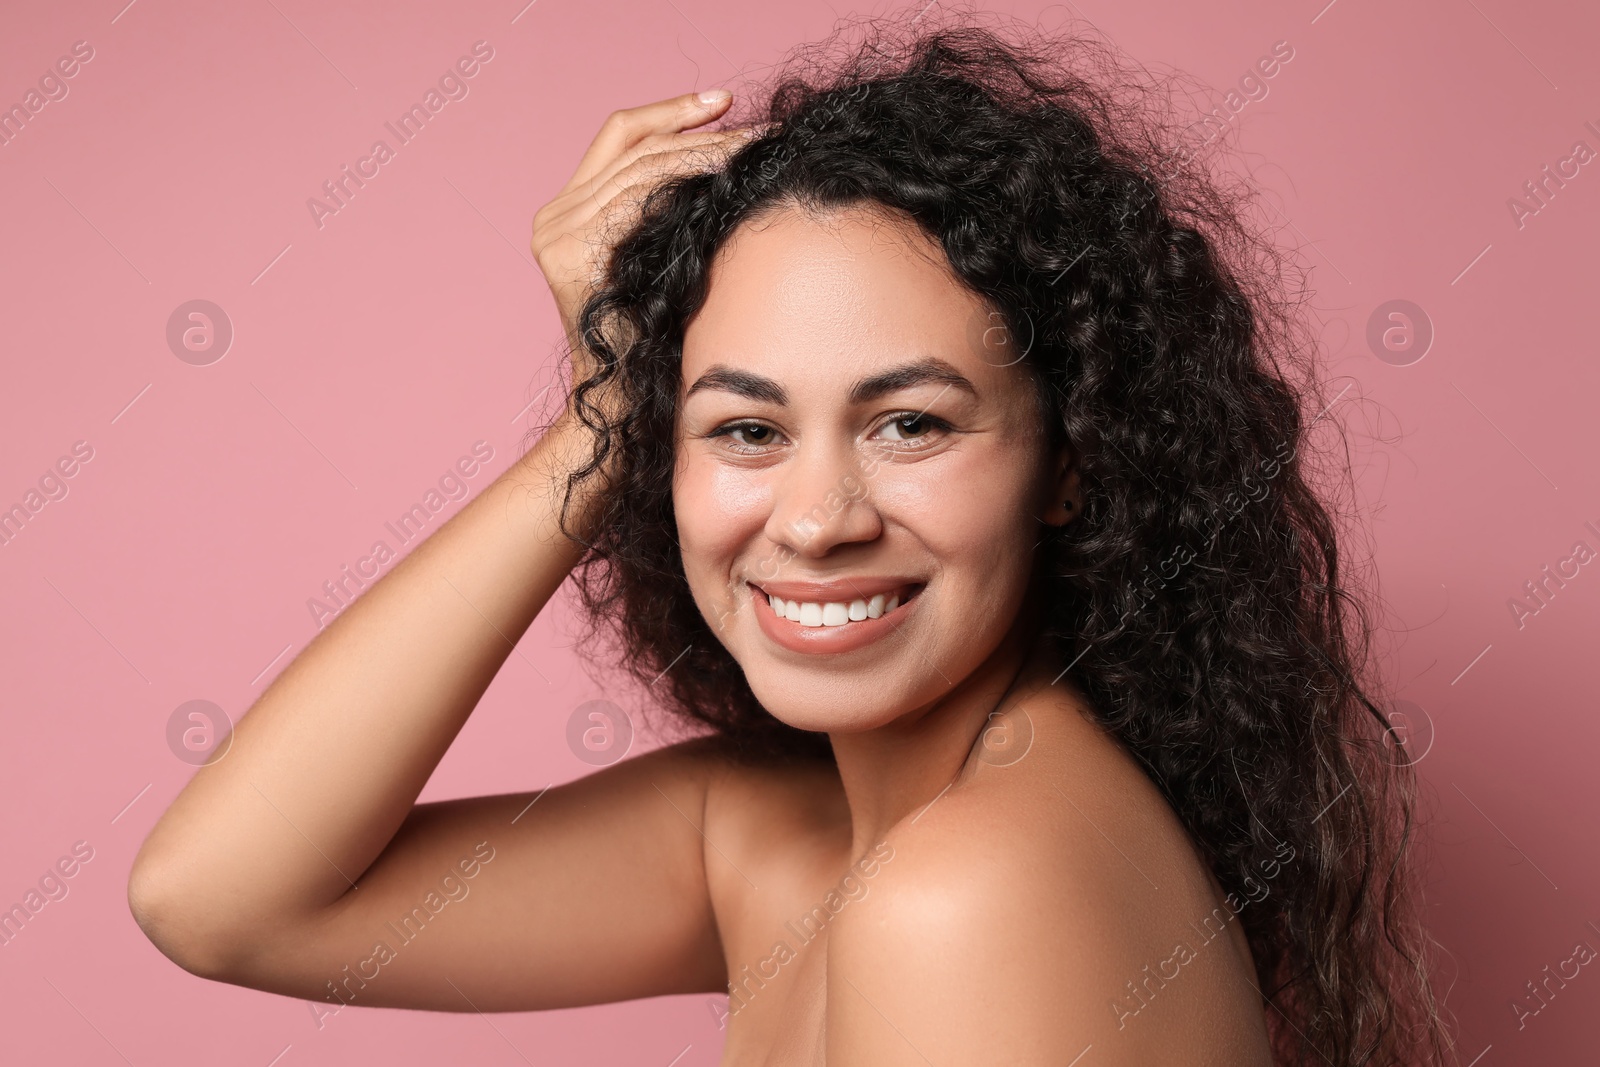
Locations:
{"points": [[913, 425], [754, 434], [747, 435]]}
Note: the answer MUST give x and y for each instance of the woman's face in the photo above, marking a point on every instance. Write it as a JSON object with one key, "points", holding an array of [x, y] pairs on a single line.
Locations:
{"points": [[854, 426]]}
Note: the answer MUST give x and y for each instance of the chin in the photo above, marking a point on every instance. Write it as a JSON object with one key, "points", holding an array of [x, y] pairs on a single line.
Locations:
{"points": [[846, 695], [851, 707]]}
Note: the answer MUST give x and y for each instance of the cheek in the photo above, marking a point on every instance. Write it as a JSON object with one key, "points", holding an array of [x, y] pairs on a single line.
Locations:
{"points": [[718, 509], [971, 511]]}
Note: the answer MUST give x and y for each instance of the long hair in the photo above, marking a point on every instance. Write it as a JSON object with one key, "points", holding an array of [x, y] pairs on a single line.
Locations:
{"points": [[1198, 598]]}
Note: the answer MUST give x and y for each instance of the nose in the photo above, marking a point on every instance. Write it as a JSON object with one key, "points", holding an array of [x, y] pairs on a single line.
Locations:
{"points": [[823, 500]]}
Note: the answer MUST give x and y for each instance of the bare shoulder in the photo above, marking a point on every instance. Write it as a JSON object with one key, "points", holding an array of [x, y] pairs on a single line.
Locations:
{"points": [[774, 825], [1049, 903]]}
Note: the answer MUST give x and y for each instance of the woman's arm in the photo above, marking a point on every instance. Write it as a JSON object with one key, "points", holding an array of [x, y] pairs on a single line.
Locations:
{"points": [[263, 870], [292, 863]]}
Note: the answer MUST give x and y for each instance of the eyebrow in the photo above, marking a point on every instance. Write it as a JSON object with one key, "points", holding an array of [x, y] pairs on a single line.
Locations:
{"points": [[765, 390]]}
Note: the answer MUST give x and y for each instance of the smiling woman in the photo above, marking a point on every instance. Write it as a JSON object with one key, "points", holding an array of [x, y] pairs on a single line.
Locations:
{"points": [[854, 350], [884, 411]]}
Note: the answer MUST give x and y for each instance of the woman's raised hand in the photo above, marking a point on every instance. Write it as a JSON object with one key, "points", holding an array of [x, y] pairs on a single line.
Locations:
{"points": [[276, 867], [635, 150]]}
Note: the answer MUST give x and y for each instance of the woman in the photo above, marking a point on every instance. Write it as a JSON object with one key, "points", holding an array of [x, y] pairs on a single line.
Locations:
{"points": [[929, 449]]}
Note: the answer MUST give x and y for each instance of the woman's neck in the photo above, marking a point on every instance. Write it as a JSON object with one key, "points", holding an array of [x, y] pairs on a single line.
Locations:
{"points": [[895, 771]]}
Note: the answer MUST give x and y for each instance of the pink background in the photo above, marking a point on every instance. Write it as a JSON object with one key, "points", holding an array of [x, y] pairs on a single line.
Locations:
{"points": [[370, 353]]}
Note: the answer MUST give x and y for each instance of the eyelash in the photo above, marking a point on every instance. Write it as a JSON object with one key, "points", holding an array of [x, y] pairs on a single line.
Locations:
{"points": [[727, 429]]}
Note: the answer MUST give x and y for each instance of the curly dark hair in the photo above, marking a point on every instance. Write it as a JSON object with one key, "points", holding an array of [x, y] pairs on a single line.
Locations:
{"points": [[1197, 599]]}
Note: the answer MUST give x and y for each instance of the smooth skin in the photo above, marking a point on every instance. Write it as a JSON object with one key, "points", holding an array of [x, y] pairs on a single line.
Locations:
{"points": [[987, 873]]}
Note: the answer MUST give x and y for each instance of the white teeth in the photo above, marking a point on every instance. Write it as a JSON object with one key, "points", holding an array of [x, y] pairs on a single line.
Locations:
{"points": [[833, 613]]}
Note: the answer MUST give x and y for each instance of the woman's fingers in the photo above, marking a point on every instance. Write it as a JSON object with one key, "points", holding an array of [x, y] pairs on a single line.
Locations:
{"points": [[567, 239], [636, 149], [683, 153], [627, 127], [570, 248], [575, 216], [626, 135], [711, 147]]}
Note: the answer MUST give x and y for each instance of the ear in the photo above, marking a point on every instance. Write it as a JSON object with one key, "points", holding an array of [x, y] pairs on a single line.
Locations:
{"points": [[1064, 499]]}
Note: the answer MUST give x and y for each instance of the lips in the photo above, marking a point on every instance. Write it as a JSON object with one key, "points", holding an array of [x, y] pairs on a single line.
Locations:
{"points": [[845, 615]]}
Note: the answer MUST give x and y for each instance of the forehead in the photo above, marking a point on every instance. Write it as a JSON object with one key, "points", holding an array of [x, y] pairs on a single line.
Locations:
{"points": [[829, 296]]}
